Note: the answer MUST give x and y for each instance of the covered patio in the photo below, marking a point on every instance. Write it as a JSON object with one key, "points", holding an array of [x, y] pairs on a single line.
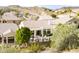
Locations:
{"points": [[7, 37], [7, 33]]}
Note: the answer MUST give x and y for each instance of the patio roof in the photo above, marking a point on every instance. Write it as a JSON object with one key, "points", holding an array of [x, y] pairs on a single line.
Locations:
{"points": [[6, 28]]}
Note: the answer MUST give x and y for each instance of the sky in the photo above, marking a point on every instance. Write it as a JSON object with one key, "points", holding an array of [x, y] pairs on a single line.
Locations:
{"points": [[27, 3], [51, 4]]}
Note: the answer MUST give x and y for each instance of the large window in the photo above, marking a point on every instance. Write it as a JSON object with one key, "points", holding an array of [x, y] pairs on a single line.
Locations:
{"points": [[4, 21], [11, 39], [38, 33], [4, 39], [47, 32]]}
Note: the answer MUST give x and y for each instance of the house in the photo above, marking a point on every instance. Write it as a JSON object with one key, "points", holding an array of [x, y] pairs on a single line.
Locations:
{"points": [[44, 25], [44, 16], [39, 28], [7, 32], [10, 17]]}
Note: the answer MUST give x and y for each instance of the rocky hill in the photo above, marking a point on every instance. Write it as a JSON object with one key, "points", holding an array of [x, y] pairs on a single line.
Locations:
{"points": [[35, 12]]}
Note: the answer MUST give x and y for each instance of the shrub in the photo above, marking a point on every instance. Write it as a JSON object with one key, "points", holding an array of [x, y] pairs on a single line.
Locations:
{"points": [[64, 37], [54, 16], [23, 35], [36, 47]]}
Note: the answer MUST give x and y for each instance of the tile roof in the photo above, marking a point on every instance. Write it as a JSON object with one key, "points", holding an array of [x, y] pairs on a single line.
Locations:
{"points": [[4, 27], [37, 25], [9, 16]]}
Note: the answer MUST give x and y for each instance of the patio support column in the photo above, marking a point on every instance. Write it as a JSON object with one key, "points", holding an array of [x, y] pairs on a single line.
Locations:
{"points": [[42, 34], [2, 40], [46, 31], [34, 34], [6, 40]]}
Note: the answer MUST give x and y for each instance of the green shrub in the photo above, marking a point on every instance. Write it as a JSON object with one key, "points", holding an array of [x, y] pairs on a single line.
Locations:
{"points": [[23, 35], [53, 15], [36, 47], [64, 37]]}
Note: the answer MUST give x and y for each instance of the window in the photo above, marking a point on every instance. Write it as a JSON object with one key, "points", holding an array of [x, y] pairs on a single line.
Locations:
{"points": [[39, 33], [49, 32], [11, 39], [4, 39], [32, 34], [4, 21], [44, 32], [13, 21], [78, 26]]}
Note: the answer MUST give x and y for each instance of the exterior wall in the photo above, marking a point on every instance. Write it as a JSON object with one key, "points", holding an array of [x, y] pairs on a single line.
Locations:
{"points": [[11, 21], [14, 21]]}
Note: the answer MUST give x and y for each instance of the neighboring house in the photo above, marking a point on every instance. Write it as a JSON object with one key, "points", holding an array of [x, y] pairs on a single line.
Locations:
{"points": [[7, 32], [62, 19], [74, 21], [45, 17], [9, 17]]}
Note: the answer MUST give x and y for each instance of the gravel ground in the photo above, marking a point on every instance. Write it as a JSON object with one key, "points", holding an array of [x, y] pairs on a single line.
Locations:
{"points": [[49, 50]]}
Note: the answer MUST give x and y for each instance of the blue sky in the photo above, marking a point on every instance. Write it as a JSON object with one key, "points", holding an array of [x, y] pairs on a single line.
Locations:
{"points": [[52, 6]]}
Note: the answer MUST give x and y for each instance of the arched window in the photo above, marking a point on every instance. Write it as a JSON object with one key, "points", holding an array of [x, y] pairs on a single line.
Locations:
{"points": [[4, 21], [13, 21], [75, 22]]}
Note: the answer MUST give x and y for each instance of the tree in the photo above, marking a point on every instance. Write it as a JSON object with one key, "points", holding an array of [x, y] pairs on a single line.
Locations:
{"points": [[65, 37], [23, 35], [69, 10], [54, 16]]}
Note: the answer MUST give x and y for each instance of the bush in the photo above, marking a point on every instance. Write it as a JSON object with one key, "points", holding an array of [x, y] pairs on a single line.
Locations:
{"points": [[54, 16], [64, 37], [23, 35], [36, 47]]}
